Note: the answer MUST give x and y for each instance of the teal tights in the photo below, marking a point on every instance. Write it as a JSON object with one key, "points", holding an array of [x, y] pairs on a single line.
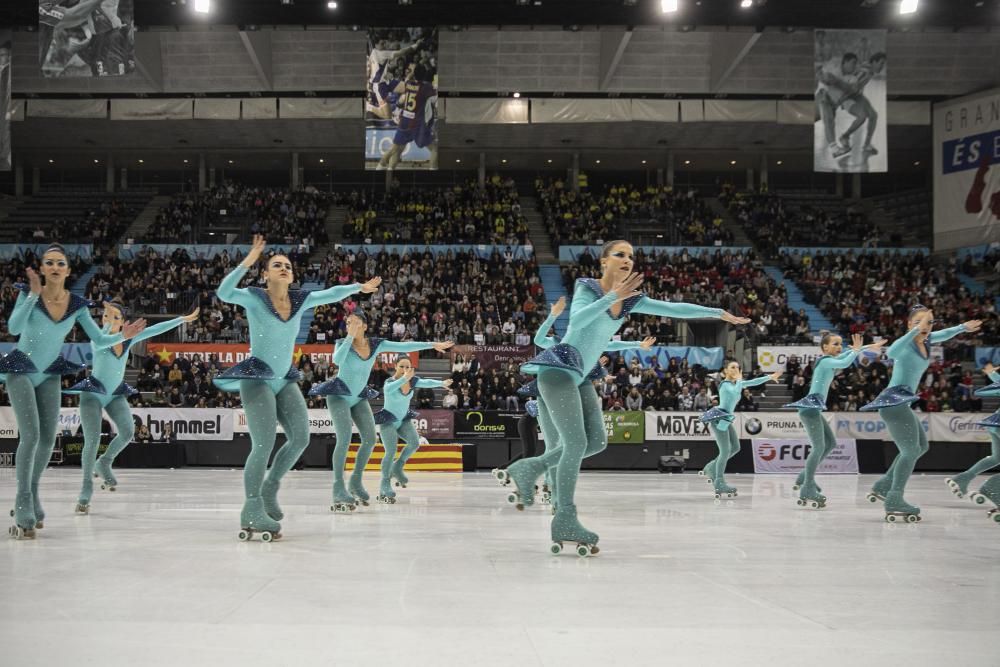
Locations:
{"points": [[36, 410], [910, 439], [823, 442], [984, 464], [728, 442], [343, 414], [264, 411], [391, 434], [90, 417]]}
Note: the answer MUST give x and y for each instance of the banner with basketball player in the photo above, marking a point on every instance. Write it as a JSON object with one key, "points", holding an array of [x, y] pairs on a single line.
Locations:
{"points": [[80, 38], [849, 130], [401, 119], [6, 42], [967, 171]]}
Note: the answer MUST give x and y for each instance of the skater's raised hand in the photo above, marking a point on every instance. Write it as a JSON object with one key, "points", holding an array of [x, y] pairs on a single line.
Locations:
{"points": [[354, 327], [857, 342], [988, 368], [734, 319], [558, 307], [972, 326], [371, 285], [627, 286], [34, 281], [443, 345], [410, 372], [256, 250], [446, 383], [776, 376], [192, 316], [648, 342], [133, 329]]}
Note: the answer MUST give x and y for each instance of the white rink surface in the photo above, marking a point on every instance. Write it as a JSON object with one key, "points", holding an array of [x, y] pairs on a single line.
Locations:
{"points": [[452, 575]]}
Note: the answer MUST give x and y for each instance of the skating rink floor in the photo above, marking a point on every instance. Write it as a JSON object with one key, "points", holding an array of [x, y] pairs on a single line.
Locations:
{"points": [[453, 575]]}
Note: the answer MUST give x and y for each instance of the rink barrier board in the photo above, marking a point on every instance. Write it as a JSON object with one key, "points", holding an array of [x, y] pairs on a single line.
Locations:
{"points": [[428, 458]]}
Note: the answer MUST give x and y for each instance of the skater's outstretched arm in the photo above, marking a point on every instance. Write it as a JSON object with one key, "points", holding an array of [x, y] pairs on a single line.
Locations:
{"points": [[763, 379], [587, 306], [395, 384], [427, 383], [164, 327], [541, 339], [900, 343], [414, 346], [98, 338], [333, 294], [26, 301], [842, 360], [947, 334], [230, 293], [685, 311]]}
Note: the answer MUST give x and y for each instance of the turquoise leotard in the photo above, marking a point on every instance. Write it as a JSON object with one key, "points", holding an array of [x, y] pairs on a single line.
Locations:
{"points": [[107, 376], [909, 363], [824, 370], [396, 408], [272, 339], [351, 383], [40, 337], [729, 396]]}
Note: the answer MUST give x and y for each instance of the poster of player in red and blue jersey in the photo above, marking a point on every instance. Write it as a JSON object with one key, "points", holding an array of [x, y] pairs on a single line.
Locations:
{"points": [[401, 120], [79, 38]]}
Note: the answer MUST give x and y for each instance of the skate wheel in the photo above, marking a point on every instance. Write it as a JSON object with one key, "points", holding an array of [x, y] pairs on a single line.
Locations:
{"points": [[872, 498], [83, 509], [795, 487], [995, 515], [585, 550], [731, 495], [815, 505], [39, 525], [978, 498], [556, 548], [708, 480], [701, 473], [111, 488], [891, 518], [266, 536], [12, 512], [244, 535], [512, 498], [912, 518], [800, 502]]}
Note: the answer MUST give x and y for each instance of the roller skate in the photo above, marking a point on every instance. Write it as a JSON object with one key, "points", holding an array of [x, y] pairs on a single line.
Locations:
{"points": [[342, 500], [358, 491], [83, 502], [39, 512], [253, 519], [724, 490], [104, 470], [386, 495], [24, 518], [566, 528], [397, 474], [708, 471], [958, 485], [991, 494], [523, 474], [501, 476], [897, 509], [809, 496], [269, 493], [879, 492]]}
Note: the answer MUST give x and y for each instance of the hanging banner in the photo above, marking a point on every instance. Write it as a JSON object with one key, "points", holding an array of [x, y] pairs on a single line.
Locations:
{"points": [[87, 38], [967, 171], [225, 355], [6, 42], [625, 427], [489, 356], [849, 129], [676, 426], [789, 456], [401, 118]]}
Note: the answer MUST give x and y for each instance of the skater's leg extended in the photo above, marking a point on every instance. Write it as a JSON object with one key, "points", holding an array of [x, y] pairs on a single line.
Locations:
{"points": [[24, 403], [293, 416], [121, 415], [909, 436], [818, 430], [961, 481], [48, 397], [390, 442], [361, 413], [90, 419], [412, 440], [559, 389], [262, 422], [340, 413], [724, 439]]}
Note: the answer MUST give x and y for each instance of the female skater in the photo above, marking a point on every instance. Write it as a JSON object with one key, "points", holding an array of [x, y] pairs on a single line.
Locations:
{"points": [[959, 484], [105, 389], [267, 379], [396, 419], [720, 420], [42, 317], [911, 355], [347, 398], [811, 409], [549, 433], [598, 310], [990, 490]]}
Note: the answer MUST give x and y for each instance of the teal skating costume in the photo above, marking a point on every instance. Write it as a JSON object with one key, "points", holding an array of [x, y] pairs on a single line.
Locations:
{"points": [[347, 398], [32, 373], [549, 433], [820, 434], [105, 389], [991, 489], [395, 420], [720, 421], [894, 407], [572, 403], [266, 381]]}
